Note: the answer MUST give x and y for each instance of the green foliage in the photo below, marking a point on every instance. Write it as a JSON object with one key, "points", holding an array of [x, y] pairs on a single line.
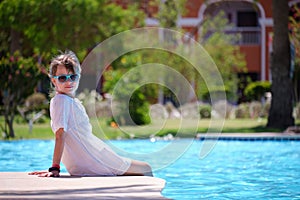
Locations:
{"points": [[146, 56], [36, 101], [222, 109], [18, 78], [205, 111], [138, 104], [43, 27], [242, 111], [139, 108], [132, 108], [169, 10], [256, 90], [68, 24], [227, 57], [224, 53], [217, 93], [253, 110]]}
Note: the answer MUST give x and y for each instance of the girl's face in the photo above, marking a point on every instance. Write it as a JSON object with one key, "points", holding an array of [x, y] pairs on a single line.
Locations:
{"points": [[65, 84]]}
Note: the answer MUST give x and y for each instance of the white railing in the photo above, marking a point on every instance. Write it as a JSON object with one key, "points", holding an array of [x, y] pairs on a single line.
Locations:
{"points": [[247, 35]]}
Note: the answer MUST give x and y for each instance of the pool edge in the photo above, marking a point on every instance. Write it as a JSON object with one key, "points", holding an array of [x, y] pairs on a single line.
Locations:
{"points": [[15, 185]]}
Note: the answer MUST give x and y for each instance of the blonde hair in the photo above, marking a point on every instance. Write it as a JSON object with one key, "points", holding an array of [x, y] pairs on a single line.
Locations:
{"points": [[67, 59]]}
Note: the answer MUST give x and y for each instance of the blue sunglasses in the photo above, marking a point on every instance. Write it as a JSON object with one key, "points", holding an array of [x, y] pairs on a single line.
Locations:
{"points": [[63, 78]]}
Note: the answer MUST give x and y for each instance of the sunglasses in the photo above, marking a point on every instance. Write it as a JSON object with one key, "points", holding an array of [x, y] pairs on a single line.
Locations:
{"points": [[63, 78]]}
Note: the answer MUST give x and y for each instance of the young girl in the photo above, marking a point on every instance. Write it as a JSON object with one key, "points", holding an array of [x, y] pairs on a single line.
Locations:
{"points": [[82, 153]]}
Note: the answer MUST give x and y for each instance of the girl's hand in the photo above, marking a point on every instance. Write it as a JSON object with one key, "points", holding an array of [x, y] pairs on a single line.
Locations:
{"points": [[45, 174]]}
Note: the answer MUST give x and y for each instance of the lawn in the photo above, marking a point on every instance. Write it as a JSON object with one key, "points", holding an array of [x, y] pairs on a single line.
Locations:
{"points": [[184, 128]]}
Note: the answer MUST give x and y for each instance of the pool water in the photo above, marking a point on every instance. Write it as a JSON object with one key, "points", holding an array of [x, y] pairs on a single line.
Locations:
{"points": [[233, 169]]}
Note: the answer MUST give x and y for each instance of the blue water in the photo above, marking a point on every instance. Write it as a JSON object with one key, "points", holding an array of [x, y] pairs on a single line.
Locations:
{"points": [[233, 169]]}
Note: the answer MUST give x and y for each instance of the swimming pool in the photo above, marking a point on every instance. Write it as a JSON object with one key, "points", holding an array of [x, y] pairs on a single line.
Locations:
{"points": [[233, 169]]}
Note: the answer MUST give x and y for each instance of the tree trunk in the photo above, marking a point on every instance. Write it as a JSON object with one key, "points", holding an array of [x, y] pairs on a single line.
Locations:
{"points": [[15, 41], [9, 133], [11, 129], [9, 115], [280, 115]]}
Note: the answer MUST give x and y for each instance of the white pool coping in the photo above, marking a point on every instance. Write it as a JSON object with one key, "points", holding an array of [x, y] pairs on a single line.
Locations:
{"points": [[20, 185], [249, 136]]}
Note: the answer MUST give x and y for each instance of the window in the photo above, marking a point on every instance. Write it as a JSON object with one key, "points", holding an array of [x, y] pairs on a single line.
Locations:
{"points": [[247, 19]]}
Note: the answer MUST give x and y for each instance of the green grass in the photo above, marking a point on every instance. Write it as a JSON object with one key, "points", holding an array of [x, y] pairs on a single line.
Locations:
{"points": [[39, 131], [185, 128], [188, 128]]}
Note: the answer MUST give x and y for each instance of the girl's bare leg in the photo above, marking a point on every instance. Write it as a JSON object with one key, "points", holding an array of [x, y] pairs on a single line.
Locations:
{"points": [[139, 168]]}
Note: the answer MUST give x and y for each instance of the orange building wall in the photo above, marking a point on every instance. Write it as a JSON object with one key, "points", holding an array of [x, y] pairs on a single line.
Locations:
{"points": [[268, 59], [253, 56], [267, 5], [192, 8]]}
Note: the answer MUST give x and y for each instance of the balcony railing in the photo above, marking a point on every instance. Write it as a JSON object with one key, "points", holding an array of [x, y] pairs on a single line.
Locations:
{"points": [[247, 35]]}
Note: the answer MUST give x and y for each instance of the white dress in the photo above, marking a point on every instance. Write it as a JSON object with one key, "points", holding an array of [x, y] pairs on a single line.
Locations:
{"points": [[84, 154]]}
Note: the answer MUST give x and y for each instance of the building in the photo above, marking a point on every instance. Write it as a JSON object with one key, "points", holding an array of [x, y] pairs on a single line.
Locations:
{"points": [[251, 19]]}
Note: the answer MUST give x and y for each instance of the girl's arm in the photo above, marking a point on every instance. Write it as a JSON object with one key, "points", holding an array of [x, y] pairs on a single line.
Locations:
{"points": [[58, 150]]}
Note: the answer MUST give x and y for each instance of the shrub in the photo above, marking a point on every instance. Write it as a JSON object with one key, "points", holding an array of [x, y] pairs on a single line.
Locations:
{"points": [[265, 109], [222, 109], [33, 104], [255, 109], [131, 105], [242, 111], [256, 90], [134, 112], [190, 110], [95, 107], [297, 111], [158, 111], [205, 111], [218, 94], [139, 109], [19, 75], [36, 102]]}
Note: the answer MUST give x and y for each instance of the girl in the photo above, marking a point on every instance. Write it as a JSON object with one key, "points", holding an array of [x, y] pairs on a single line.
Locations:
{"points": [[82, 153]]}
